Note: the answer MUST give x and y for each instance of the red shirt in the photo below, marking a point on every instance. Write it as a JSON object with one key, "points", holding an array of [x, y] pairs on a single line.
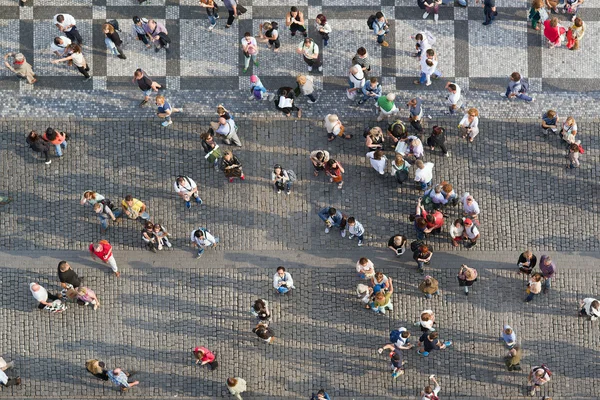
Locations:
{"points": [[58, 140], [105, 253], [439, 219], [208, 355], [553, 33]]}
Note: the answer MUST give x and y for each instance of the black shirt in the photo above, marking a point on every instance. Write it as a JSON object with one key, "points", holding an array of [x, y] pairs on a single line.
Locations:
{"points": [[70, 277], [391, 242], [532, 262], [145, 83], [428, 345], [115, 38]]}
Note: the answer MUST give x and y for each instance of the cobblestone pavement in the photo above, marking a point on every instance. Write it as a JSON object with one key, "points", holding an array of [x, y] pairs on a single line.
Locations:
{"points": [[163, 306]]}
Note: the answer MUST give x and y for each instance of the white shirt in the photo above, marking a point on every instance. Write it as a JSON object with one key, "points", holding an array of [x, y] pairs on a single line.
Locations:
{"points": [[66, 41], [472, 209], [287, 277], [3, 377], [401, 341], [332, 127], [465, 122], [426, 69], [78, 59], [185, 186], [436, 390], [378, 165], [424, 174], [587, 304], [427, 324], [456, 232], [356, 229], [226, 129], [40, 295], [454, 97], [368, 269], [252, 42], [208, 240], [437, 198], [69, 20], [471, 231], [358, 79]]}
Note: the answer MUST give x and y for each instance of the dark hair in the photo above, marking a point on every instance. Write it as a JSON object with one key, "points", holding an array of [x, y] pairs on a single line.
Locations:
{"points": [[395, 356], [574, 147], [322, 391], [281, 268], [361, 51], [419, 36], [138, 72], [458, 221], [378, 14], [452, 86], [373, 79], [424, 248], [320, 155], [60, 18], [332, 211], [128, 197], [430, 52], [61, 264], [351, 220], [595, 304], [331, 162], [259, 305], [136, 19], [274, 25], [198, 233], [50, 133], [433, 335], [247, 34], [430, 218], [322, 19], [57, 40], [33, 136], [378, 154], [294, 9], [148, 225], [515, 76], [405, 334], [421, 224]]}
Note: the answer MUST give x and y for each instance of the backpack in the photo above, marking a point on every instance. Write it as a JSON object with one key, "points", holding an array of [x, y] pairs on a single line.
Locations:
{"points": [[524, 87], [292, 175], [394, 336], [108, 203], [414, 246], [545, 368], [401, 176], [372, 18], [115, 24]]}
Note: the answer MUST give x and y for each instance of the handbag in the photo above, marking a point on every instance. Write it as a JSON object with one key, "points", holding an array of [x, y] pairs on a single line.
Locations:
{"points": [[351, 94], [164, 37], [241, 9]]}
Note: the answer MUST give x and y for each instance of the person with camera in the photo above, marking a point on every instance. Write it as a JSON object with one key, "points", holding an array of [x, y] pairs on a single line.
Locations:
{"points": [[282, 281]]}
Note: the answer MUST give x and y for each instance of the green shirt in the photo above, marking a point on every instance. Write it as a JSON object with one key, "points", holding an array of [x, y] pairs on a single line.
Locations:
{"points": [[385, 104]]}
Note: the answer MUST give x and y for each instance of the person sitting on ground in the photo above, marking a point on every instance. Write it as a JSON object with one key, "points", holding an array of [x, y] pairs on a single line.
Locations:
{"points": [[590, 308], [205, 357], [365, 294], [282, 281], [365, 268], [97, 368], [134, 209]]}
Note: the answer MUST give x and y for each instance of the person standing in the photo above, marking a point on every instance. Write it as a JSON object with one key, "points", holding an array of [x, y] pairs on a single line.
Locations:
{"points": [[470, 208], [205, 357], [548, 269], [590, 308], [534, 286], [67, 277], [471, 233], [323, 28], [134, 209], [281, 179], [513, 358], [76, 56], [428, 69], [371, 90], [294, 19], [121, 379], [56, 138], [272, 36], [307, 88], [380, 28], [415, 111], [539, 376], [231, 166], [356, 81], [84, 296], [422, 255], [466, 277], [97, 368], [310, 53], [20, 66], [378, 161], [526, 262], [46, 301], [489, 11], [113, 41], [430, 341], [423, 175], [535, 13], [146, 85], [319, 159], [362, 58], [321, 395], [236, 387], [429, 287], [516, 88], [332, 217], [212, 11], [431, 393], [105, 213], [250, 50], [554, 32], [39, 145], [397, 244], [232, 9], [164, 110], [103, 250], [454, 101], [162, 236], [573, 156], [575, 34], [158, 34], [201, 238], [282, 281], [438, 139], [356, 229], [139, 32], [432, 6], [334, 127], [335, 171], [508, 336], [227, 128], [469, 124], [386, 106], [186, 188], [67, 25]]}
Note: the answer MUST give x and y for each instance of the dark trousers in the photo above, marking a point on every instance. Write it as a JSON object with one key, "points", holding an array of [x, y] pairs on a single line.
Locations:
{"points": [[46, 155], [11, 382], [434, 143], [84, 71], [276, 43], [489, 14], [313, 62], [51, 298], [311, 97], [288, 110], [120, 50], [74, 35], [230, 18], [143, 38], [417, 125], [295, 28]]}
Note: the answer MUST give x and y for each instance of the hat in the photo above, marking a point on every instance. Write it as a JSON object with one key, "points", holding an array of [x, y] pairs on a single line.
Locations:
{"points": [[468, 221], [390, 96], [136, 20], [19, 57], [469, 197], [254, 79]]}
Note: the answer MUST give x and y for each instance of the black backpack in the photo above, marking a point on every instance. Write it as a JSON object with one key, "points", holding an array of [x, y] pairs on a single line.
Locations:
{"points": [[401, 176], [414, 246], [115, 24], [372, 18]]}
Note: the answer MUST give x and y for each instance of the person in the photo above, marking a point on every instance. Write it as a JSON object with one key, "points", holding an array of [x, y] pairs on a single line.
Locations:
{"points": [[513, 359], [90, 197], [371, 90], [415, 111], [323, 28], [310, 53], [105, 214], [365, 268], [429, 286], [67, 25], [382, 301], [429, 341], [568, 132], [550, 122], [428, 69], [489, 11], [575, 34], [362, 58], [77, 58], [386, 106], [250, 50], [432, 6], [573, 157], [334, 127], [148, 236], [84, 296], [272, 36], [552, 5], [423, 174], [211, 149], [282, 281], [469, 124], [426, 321], [571, 6], [258, 90], [59, 45], [380, 28], [146, 85], [539, 375], [399, 340], [378, 161], [470, 208], [471, 233], [454, 101], [5, 381], [306, 87], [236, 387], [365, 294], [294, 19], [319, 159], [281, 179], [396, 131], [438, 139], [434, 220], [423, 42], [535, 13], [422, 255], [201, 238], [526, 262], [285, 102], [264, 332], [162, 236], [158, 34], [534, 286], [356, 230], [20, 66], [333, 217], [554, 32], [321, 395], [165, 110], [395, 358], [335, 171], [590, 308], [262, 29], [517, 88], [508, 336], [186, 188], [231, 166], [466, 277], [97, 368], [260, 309], [380, 282], [46, 300], [139, 31], [397, 243], [121, 379], [56, 138], [356, 81], [440, 195], [548, 269], [39, 145], [113, 41], [227, 128], [430, 393], [456, 232], [205, 357], [103, 250], [134, 209], [67, 277], [212, 12]]}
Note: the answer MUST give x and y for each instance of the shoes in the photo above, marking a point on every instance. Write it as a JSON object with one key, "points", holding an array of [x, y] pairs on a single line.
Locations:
{"points": [[210, 28], [351, 237], [251, 97], [486, 23], [199, 256], [244, 70], [360, 243], [361, 101], [198, 201], [87, 79], [447, 154], [384, 44], [309, 68], [424, 354], [288, 192], [257, 63], [48, 162], [326, 230], [188, 204], [425, 15], [278, 191], [143, 103], [156, 49], [18, 380], [230, 180], [311, 102], [320, 69], [167, 123], [243, 177], [153, 249], [435, 17], [122, 57], [343, 233]]}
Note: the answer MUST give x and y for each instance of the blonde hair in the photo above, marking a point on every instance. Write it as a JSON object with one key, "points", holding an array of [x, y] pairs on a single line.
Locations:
{"points": [[399, 159], [473, 112], [301, 79], [160, 97], [221, 110], [108, 27], [333, 118], [570, 120]]}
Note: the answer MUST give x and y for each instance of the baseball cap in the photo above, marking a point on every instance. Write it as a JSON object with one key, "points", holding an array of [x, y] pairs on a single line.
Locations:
{"points": [[468, 221], [254, 79]]}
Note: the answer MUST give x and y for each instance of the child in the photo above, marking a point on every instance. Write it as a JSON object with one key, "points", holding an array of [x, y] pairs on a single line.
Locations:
{"points": [[356, 230], [535, 14], [509, 336], [456, 232], [161, 235], [574, 152], [378, 161], [550, 122], [534, 287], [335, 171]]}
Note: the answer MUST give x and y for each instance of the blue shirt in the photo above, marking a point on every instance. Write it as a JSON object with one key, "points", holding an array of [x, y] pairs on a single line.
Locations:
{"points": [[416, 110], [368, 89], [378, 27], [164, 107], [120, 379], [548, 120]]}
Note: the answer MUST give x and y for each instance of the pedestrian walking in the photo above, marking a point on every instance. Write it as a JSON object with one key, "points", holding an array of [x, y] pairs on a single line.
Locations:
{"points": [[212, 12], [227, 128], [272, 36], [5, 381], [431, 393], [263, 28], [306, 87], [517, 88], [56, 138], [589, 308], [575, 34], [158, 35], [438, 139], [135, 209], [469, 125], [310, 53], [422, 255], [548, 269], [282, 281], [397, 243], [20, 67], [573, 156], [415, 111], [67, 277], [457, 232], [334, 128], [454, 101], [76, 57], [46, 301], [139, 31], [365, 268], [113, 41], [426, 321], [466, 277], [103, 250], [335, 171], [84, 296], [554, 32], [534, 286], [66, 24], [260, 309], [250, 50], [489, 11], [201, 239], [146, 85], [400, 168], [211, 149], [59, 45], [429, 341], [429, 287], [378, 161], [264, 332], [396, 359], [423, 42], [121, 379], [428, 70], [526, 262], [356, 81], [236, 387], [294, 20], [362, 58], [323, 28], [550, 122], [97, 368], [162, 236], [386, 106], [508, 336], [568, 132], [471, 233], [205, 357], [39, 145], [513, 358], [165, 110], [90, 197], [434, 220], [356, 230], [281, 179], [379, 25], [148, 237], [539, 376], [423, 174], [231, 166], [431, 7], [186, 188], [105, 214]]}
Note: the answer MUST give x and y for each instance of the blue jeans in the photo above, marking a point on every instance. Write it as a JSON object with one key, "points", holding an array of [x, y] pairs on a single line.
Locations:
{"points": [[420, 264], [201, 248], [104, 219], [367, 98], [324, 214], [423, 78], [59, 148], [428, 296], [283, 289], [381, 37], [212, 19], [143, 216], [530, 296], [425, 185], [521, 96], [547, 283]]}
